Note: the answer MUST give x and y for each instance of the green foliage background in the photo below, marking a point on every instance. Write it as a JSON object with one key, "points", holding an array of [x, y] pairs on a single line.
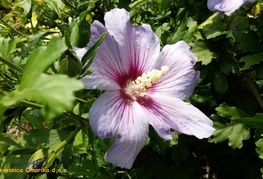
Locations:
{"points": [[44, 108]]}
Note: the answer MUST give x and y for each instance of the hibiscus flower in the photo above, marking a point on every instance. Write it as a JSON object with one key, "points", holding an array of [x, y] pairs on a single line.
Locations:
{"points": [[142, 86], [226, 6]]}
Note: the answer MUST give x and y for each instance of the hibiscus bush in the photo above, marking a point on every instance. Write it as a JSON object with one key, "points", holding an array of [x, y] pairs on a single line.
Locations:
{"points": [[131, 89]]}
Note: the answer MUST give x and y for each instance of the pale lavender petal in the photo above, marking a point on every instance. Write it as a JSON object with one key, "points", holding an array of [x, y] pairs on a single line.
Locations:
{"points": [[106, 113], [139, 46], [112, 117], [179, 116], [107, 68], [227, 6], [80, 52], [162, 128], [131, 138], [182, 77]]}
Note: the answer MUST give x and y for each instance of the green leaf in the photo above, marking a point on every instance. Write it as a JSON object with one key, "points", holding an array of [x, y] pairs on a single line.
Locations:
{"points": [[34, 118], [201, 50], [7, 141], [35, 38], [90, 54], [47, 156], [259, 83], [214, 31], [55, 93], [235, 133], [159, 31], [8, 46], [228, 65], [210, 20], [219, 81], [26, 4], [14, 162], [55, 5], [250, 60], [230, 112], [243, 40], [79, 36], [70, 65], [137, 4], [5, 3], [44, 138], [201, 99], [185, 28], [2, 110], [259, 148], [192, 26], [214, 26], [40, 60], [40, 154], [67, 39], [81, 142], [253, 122]]}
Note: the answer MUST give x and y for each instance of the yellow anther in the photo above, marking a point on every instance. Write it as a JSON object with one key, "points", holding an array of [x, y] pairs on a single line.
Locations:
{"points": [[165, 69], [146, 80]]}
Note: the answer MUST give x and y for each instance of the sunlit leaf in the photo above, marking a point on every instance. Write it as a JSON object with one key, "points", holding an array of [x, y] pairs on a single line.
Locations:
{"points": [[55, 93], [40, 60], [34, 39], [81, 142], [201, 50], [192, 26], [230, 112], [136, 4], [214, 26], [55, 5], [184, 30], [210, 20], [26, 4], [259, 148], [235, 133], [7, 46]]}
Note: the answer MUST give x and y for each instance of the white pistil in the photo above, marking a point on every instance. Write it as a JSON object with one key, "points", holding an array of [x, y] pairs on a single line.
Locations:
{"points": [[146, 80]]}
